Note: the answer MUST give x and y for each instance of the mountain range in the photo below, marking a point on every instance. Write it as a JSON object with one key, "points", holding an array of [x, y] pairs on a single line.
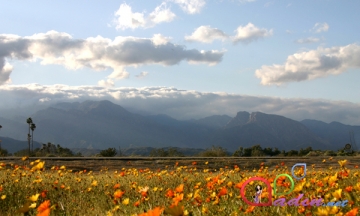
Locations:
{"points": [[103, 124]]}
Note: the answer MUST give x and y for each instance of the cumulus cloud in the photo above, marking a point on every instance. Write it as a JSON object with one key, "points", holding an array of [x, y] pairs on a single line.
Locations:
{"points": [[206, 34], [321, 27], [97, 53], [310, 65], [142, 74], [125, 18], [180, 104], [307, 40], [250, 33], [106, 83], [190, 6]]}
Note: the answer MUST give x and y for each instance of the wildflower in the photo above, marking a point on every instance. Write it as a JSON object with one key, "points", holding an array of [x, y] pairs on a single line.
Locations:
{"points": [[44, 208], [126, 201], [3, 197], [250, 209], [94, 183], [180, 188], [33, 205], [116, 186], [337, 194], [154, 212], [118, 194], [222, 192], [342, 163], [34, 198], [353, 212], [137, 203]]}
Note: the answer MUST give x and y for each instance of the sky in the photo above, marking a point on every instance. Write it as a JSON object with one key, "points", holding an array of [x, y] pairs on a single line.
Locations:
{"points": [[184, 58]]}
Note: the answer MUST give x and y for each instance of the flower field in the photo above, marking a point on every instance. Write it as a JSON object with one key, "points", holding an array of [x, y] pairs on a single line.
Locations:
{"points": [[181, 189]]}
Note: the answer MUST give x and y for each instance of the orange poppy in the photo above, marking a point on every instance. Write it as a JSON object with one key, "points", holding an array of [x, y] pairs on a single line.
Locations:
{"points": [[154, 212], [222, 192], [180, 188], [44, 208]]}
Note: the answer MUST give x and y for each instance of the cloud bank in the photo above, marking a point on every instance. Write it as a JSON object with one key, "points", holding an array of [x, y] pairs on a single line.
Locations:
{"points": [[97, 53], [180, 104], [311, 65]]}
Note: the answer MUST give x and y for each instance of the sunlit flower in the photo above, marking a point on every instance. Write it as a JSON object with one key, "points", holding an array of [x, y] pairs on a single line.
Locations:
{"points": [[44, 208], [126, 201], [154, 212], [118, 194], [3, 197], [34, 198]]}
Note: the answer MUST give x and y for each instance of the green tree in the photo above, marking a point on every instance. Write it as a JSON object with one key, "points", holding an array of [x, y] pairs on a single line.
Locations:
{"points": [[110, 152], [239, 152], [214, 151], [256, 150], [4, 152]]}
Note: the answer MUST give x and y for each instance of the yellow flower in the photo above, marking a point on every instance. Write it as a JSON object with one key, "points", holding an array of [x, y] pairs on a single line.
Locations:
{"points": [[34, 198], [38, 166], [33, 205], [337, 194], [94, 183], [206, 162], [332, 179], [321, 211], [324, 161], [126, 201], [342, 163], [155, 189], [62, 167], [3, 197], [24, 158], [109, 213], [299, 187]]}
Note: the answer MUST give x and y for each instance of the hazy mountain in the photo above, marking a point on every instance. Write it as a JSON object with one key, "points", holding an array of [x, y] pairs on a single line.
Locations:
{"points": [[247, 129], [335, 132], [12, 145], [215, 121], [102, 124]]}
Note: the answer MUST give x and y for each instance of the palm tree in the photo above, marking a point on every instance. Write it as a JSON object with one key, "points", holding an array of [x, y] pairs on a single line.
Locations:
{"points": [[0, 140], [29, 121], [32, 127]]}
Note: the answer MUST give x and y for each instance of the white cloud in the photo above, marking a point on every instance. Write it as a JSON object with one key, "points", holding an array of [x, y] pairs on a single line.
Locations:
{"points": [[106, 83], [321, 27], [180, 104], [191, 6], [250, 33], [308, 40], [311, 65], [97, 53], [125, 18], [206, 34], [158, 39], [142, 74]]}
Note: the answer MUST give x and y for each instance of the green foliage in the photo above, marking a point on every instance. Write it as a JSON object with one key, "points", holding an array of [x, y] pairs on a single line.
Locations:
{"points": [[162, 152], [214, 151], [110, 152], [3, 152]]}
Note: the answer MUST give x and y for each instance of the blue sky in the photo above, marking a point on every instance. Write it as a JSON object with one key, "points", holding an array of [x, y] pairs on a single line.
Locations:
{"points": [[288, 51]]}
